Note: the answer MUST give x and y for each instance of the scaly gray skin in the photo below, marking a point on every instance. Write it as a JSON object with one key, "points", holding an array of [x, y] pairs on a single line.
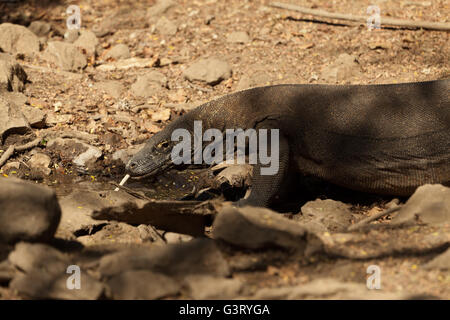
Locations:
{"points": [[385, 139]]}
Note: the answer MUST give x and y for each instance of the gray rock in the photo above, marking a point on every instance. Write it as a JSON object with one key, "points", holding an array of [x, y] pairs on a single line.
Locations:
{"points": [[211, 70], [149, 84], [166, 27], [30, 257], [119, 51], [172, 237], [258, 228], [325, 215], [82, 153], [127, 64], [160, 8], [16, 39], [12, 120], [35, 116], [142, 285], [11, 166], [111, 87], [257, 79], [29, 212], [441, 261], [71, 35], [40, 163], [238, 37], [12, 75], [344, 69], [40, 28], [87, 42], [65, 55], [199, 256], [207, 287], [430, 205], [325, 288]]}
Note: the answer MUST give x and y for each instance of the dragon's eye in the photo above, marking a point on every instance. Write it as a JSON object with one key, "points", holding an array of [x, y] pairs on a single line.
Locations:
{"points": [[163, 144]]}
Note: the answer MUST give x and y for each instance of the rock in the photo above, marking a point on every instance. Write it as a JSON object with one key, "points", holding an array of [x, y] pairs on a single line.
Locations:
{"points": [[111, 87], [10, 166], [161, 115], [71, 35], [87, 42], [441, 261], [199, 256], [344, 69], [238, 37], [149, 84], [127, 64], [257, 79], [30, 257], [172, 237], [16, 39], [150, 234], [325, 288], [166, 27], [45, 274], [121, 155], [65, 55], [40, 163], [35, 116], [105, 27], [325, 215], [160, 8], [83, 154], [38, 285], [142, 285], [119, 51], [429, 205], [35, 219], [12, 120], [211, 70], [259, 228], [12, 75], [53, 119], [40, 28], [207, 287]]}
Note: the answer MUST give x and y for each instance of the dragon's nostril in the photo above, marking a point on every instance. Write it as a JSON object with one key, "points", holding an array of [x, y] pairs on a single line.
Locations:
{"points": [[132, 165]]}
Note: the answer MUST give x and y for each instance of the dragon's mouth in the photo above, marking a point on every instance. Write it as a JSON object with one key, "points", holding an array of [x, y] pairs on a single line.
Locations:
{"points": [[152, 172]]}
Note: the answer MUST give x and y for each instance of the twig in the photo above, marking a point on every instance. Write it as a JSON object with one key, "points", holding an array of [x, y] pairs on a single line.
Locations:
{"points": [[373, 218], [5, 156], [441, 26]]}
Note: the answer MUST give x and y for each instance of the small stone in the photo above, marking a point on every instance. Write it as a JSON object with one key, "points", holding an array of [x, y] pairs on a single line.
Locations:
{"points": [[344, 69], [65, 55], [160, 8], [40, 162], [259, 228], [172, 237], [83, 154], [211, 70], [35, 116], [87, 42], [71, 35], [120, 51], [166, 27], [207, 287], [142, 285], [40, 28], [12, 75], [16, 39], [430, 204], [37, 216], [12, 119], [149, 84], [112, 87], [238, 37]]}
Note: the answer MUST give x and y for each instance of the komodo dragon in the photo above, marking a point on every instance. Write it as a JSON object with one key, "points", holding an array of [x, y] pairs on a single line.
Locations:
{"points": [[385, 139]]}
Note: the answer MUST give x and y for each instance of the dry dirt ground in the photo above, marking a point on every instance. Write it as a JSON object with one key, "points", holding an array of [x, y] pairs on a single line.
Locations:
{"points": [[282, 47]]}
